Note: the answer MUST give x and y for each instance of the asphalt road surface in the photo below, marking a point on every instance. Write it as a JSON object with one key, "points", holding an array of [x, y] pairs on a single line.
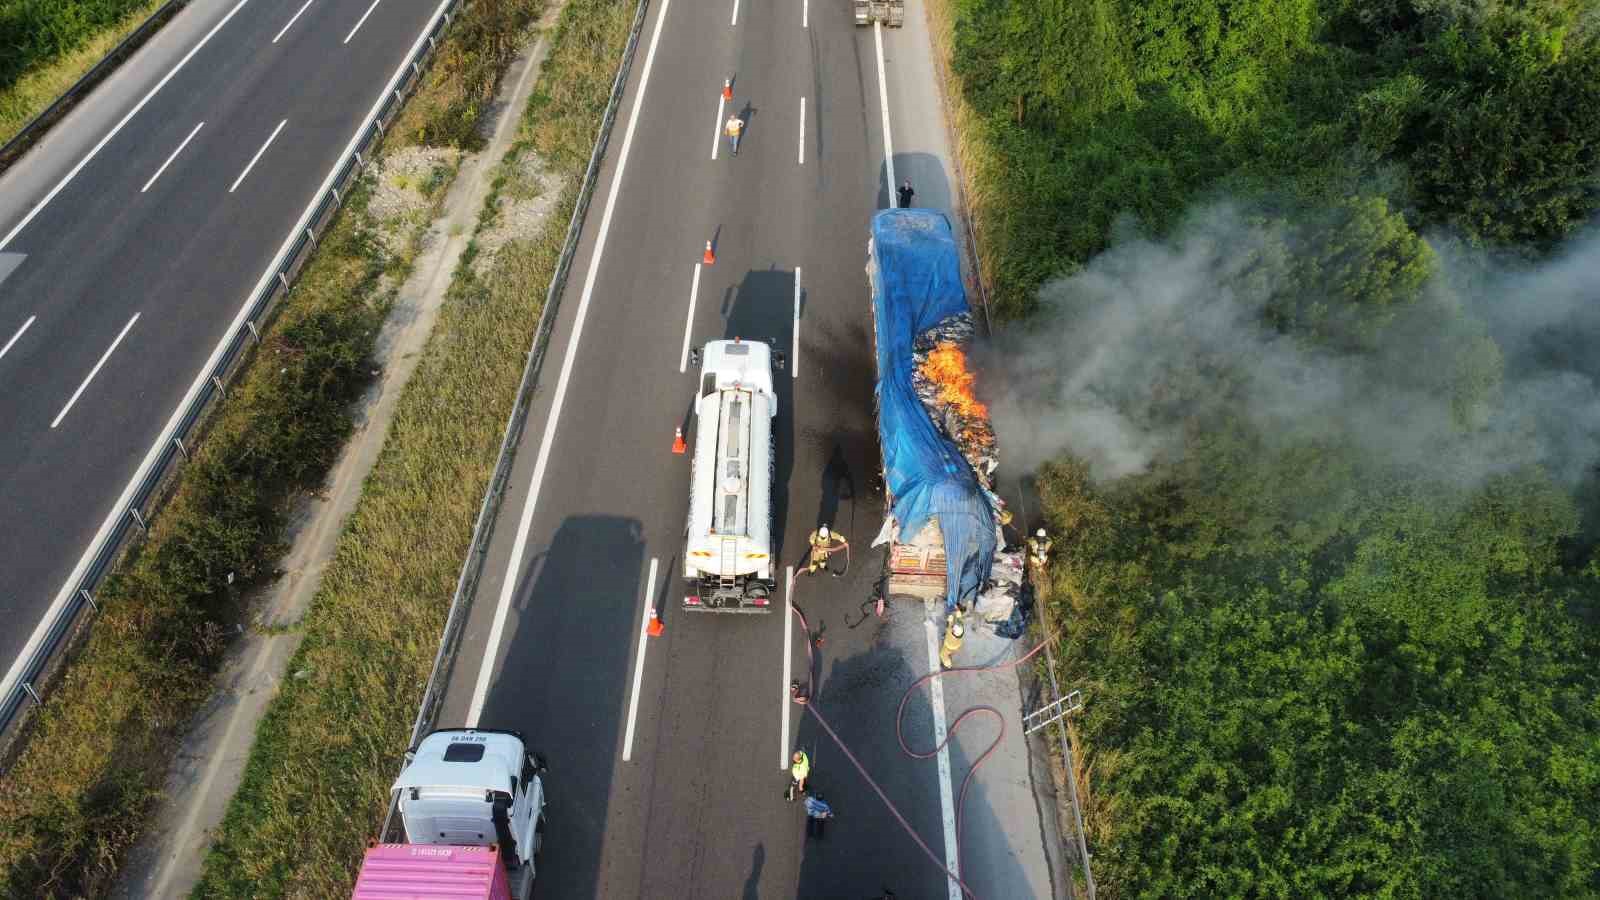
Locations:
{"points": [[674, 788], [132, 235]]}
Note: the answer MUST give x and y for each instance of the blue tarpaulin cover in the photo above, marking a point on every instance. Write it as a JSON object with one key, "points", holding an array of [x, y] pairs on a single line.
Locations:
{"points": [[917, 284]]}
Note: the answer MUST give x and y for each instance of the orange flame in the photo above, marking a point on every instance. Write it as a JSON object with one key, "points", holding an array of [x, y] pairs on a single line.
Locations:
{"points": [[946, 366]]}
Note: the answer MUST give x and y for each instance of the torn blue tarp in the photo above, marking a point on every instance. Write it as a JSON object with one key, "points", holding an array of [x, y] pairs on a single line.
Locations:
{"points": [[916, 279]]}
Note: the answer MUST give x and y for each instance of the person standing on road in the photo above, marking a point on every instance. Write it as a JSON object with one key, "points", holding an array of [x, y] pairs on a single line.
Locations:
{"points": [[733, 130], [823, 543], [906, 193], [818, 812]]}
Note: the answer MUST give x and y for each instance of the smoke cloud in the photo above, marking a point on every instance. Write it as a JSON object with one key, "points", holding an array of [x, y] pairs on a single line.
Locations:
{"points": [[1482, 366]]}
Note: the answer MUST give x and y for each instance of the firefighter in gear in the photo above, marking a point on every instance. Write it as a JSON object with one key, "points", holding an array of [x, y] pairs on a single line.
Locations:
{"points": [[952, 641], [1039, 553], [823, 544]]}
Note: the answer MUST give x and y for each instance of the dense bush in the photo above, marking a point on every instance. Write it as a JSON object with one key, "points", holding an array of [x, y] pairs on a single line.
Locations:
{"points": [[1330, 596], [37, 32]]}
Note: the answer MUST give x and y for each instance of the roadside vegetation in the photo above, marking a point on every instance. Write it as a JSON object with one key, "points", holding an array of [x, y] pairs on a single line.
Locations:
{"points": [[46, 45], [93, 768], [1308, 389], [316, 787]]}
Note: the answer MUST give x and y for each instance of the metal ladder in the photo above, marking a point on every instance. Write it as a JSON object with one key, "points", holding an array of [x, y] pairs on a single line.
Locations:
{"points": [[1052, 712], [730, 559]]}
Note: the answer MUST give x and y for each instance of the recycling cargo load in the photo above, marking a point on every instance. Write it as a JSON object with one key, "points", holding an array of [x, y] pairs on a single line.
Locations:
{"points": [[938, 446]]}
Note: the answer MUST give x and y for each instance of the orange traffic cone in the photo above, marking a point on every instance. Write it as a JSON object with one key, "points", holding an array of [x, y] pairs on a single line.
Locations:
{"points": [[709, 257], [678, 446], [727, 89], [656, 627]]}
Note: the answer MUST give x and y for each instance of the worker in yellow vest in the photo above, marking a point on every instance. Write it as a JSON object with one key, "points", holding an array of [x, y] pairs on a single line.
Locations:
{"points": [[952, 640]]}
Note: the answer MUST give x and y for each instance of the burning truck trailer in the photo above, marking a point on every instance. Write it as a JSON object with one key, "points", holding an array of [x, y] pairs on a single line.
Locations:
{"points": [[939, 454]]}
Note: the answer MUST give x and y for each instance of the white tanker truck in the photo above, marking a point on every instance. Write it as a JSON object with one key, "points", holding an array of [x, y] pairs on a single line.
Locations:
{"points": [[728, 552]]}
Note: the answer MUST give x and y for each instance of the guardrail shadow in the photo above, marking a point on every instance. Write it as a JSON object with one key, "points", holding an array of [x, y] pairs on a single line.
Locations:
{"points": [[576, 618]]}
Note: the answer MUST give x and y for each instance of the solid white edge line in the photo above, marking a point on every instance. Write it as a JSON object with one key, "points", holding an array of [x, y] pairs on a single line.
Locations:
{"points": [[94, 371], [16, 337], [514, 566], [735, 20], [794, 352], [172, 157], [119, 509], [638, 663], [716, 127], [6, 241], [805, 14], [802, 131], [361, 21], [292, 20], [936, 698], [257, 158], [788, 662], [883, 101], [688, 325]]}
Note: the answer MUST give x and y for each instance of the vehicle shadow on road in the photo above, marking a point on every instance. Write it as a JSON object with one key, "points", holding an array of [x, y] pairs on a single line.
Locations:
{"points": [[573, 618]]}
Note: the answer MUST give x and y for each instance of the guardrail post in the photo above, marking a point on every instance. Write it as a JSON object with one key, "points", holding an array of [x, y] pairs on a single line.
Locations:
{"points": [[253, 332], [336, 200], [138, 519], [32, 693], [217, 383], [415, 70], [178, 442], [88, 598], [312, 238]]}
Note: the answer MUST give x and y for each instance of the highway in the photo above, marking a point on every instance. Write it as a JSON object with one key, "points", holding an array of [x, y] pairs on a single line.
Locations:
{"points": [[668, 754], [132, 235]]}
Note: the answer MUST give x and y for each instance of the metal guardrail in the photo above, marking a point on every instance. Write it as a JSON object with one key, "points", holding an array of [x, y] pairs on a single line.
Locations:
{"points": [[155, 481], [69, 98], [488, 513]]}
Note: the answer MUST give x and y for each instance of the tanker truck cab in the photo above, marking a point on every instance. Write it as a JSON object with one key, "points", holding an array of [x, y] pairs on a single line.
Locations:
{"points": [[470, 788], [728, 548]]}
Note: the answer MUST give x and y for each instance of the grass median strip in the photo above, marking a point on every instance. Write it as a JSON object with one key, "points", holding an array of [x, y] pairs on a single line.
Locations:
{"points": [[316, 785], [92, 770]]}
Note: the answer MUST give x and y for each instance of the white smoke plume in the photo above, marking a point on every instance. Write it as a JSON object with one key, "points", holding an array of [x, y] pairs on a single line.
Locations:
{"points": [[1488, 368]]}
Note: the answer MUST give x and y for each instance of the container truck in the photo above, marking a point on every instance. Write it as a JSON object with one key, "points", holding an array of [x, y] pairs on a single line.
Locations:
{"points": [[728, 553], [940, 523], [472, 805]]}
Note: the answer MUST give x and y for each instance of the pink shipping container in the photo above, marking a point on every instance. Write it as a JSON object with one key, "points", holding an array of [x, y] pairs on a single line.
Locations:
{"points": [[424, 872]]}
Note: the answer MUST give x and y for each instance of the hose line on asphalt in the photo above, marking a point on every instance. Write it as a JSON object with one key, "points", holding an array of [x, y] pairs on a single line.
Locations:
{"points": [[809, 701]]}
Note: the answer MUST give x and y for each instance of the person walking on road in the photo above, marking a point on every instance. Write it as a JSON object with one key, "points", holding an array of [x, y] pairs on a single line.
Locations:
{"points": [[906, 193], [818, 812], [733, 130]]}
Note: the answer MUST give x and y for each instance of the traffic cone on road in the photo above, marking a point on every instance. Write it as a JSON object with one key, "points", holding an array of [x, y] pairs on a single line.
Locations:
{"points": [[678, 446], [727, 89], [656, 627], [710, 256]]}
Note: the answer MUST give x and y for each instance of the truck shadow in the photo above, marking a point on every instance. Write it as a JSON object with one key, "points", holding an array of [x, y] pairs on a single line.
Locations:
{"points": [[579, 605]]}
